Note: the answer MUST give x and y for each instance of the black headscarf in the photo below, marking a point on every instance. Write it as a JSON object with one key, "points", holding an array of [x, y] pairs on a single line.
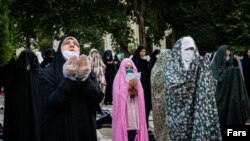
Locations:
{"points": [[107, 56], [153, 57], [48, 57], [27, 60], [136, 56], [58, 61]]}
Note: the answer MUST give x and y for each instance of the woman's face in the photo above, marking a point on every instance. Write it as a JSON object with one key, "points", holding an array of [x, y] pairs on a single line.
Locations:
{"points": [[70, 45], [142, 53], [129, 68], [228, 52], [248, 53], [69, 48], [94, 54]]}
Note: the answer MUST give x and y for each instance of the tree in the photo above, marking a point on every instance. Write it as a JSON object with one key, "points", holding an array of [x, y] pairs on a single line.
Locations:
{"points": [[138, 12], [197, 18], [5, 45], [236, 26], [88, 20]]}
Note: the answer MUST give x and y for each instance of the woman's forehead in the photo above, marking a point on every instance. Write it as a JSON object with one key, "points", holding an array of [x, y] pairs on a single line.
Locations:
{"points": [[68, 39], [128, 63]]}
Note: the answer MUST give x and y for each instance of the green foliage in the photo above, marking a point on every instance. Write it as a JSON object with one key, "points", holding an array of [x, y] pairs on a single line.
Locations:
{"points": [[5, 45], [239, 50], [85, 50], [210, 22], [87, 20], [156, 20], [236, 26], [195, 19]]}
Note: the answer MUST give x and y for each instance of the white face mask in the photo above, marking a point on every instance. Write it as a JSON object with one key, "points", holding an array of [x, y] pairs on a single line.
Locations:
{"points": [[188, 55], [157, 56], [67, 54], [227, 58]]}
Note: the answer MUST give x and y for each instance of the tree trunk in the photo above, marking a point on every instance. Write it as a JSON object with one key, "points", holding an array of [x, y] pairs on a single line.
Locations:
{"points": [[139, 12], [28, 42], [142, 38], [125, 50]]}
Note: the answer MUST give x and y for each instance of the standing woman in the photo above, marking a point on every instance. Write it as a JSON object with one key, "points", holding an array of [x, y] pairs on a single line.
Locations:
{"points": [[70, 96], [128, 122], [98, 67], [154, 56], [23, 107], [231, 95], [246, 70], [190, 87], [142, 63], [110, 73], [48, 57], [158, 96]]}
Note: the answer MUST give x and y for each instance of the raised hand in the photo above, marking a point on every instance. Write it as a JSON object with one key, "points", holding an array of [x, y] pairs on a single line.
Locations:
{"points": [[84, 67], [132, 87], [70, 67]]}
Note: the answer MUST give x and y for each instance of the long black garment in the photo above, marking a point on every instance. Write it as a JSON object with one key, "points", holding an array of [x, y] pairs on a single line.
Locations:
{"points": [[22, 117], [110, 73], [246, 72], [48, 57], [143, 66], [231, 95], [6, 74], [69, 107]]}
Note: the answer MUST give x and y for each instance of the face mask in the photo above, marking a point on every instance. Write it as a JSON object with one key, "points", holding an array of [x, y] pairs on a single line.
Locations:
{"points": [[129, 70], [188, 55], [67, 54], [227, 58], [157, 56]]}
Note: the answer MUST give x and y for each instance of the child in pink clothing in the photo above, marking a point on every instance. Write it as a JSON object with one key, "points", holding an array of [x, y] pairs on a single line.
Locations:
{"points": [[129, 121]]}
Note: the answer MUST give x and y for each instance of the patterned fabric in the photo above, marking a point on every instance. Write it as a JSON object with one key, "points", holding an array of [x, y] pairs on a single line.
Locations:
{"points": [[158, 96], [98, 67], [191, 108]]}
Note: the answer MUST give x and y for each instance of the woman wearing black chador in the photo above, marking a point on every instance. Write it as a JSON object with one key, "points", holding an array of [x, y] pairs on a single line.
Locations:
{"points": [[22, 102], [246, 70], [110, 73], [71, 95], [142, 63]]}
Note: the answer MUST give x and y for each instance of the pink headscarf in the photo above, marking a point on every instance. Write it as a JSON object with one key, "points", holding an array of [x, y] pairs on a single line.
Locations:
{"points": [[120, 93]]}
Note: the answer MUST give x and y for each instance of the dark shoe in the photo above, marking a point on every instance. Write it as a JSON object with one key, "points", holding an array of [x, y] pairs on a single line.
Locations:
{"points": [[151, 136], [98, 126]]}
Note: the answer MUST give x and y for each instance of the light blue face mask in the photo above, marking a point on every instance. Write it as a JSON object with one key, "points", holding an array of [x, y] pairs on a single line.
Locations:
{"points": [[227, 58], [188, 55], [129, 70]]}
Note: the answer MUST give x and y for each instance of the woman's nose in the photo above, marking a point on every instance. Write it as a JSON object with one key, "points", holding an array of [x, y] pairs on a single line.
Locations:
{"points": [[72, 44]]}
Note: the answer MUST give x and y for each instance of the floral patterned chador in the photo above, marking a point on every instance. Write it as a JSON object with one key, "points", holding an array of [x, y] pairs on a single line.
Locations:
{"points": [[191, 111]]}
